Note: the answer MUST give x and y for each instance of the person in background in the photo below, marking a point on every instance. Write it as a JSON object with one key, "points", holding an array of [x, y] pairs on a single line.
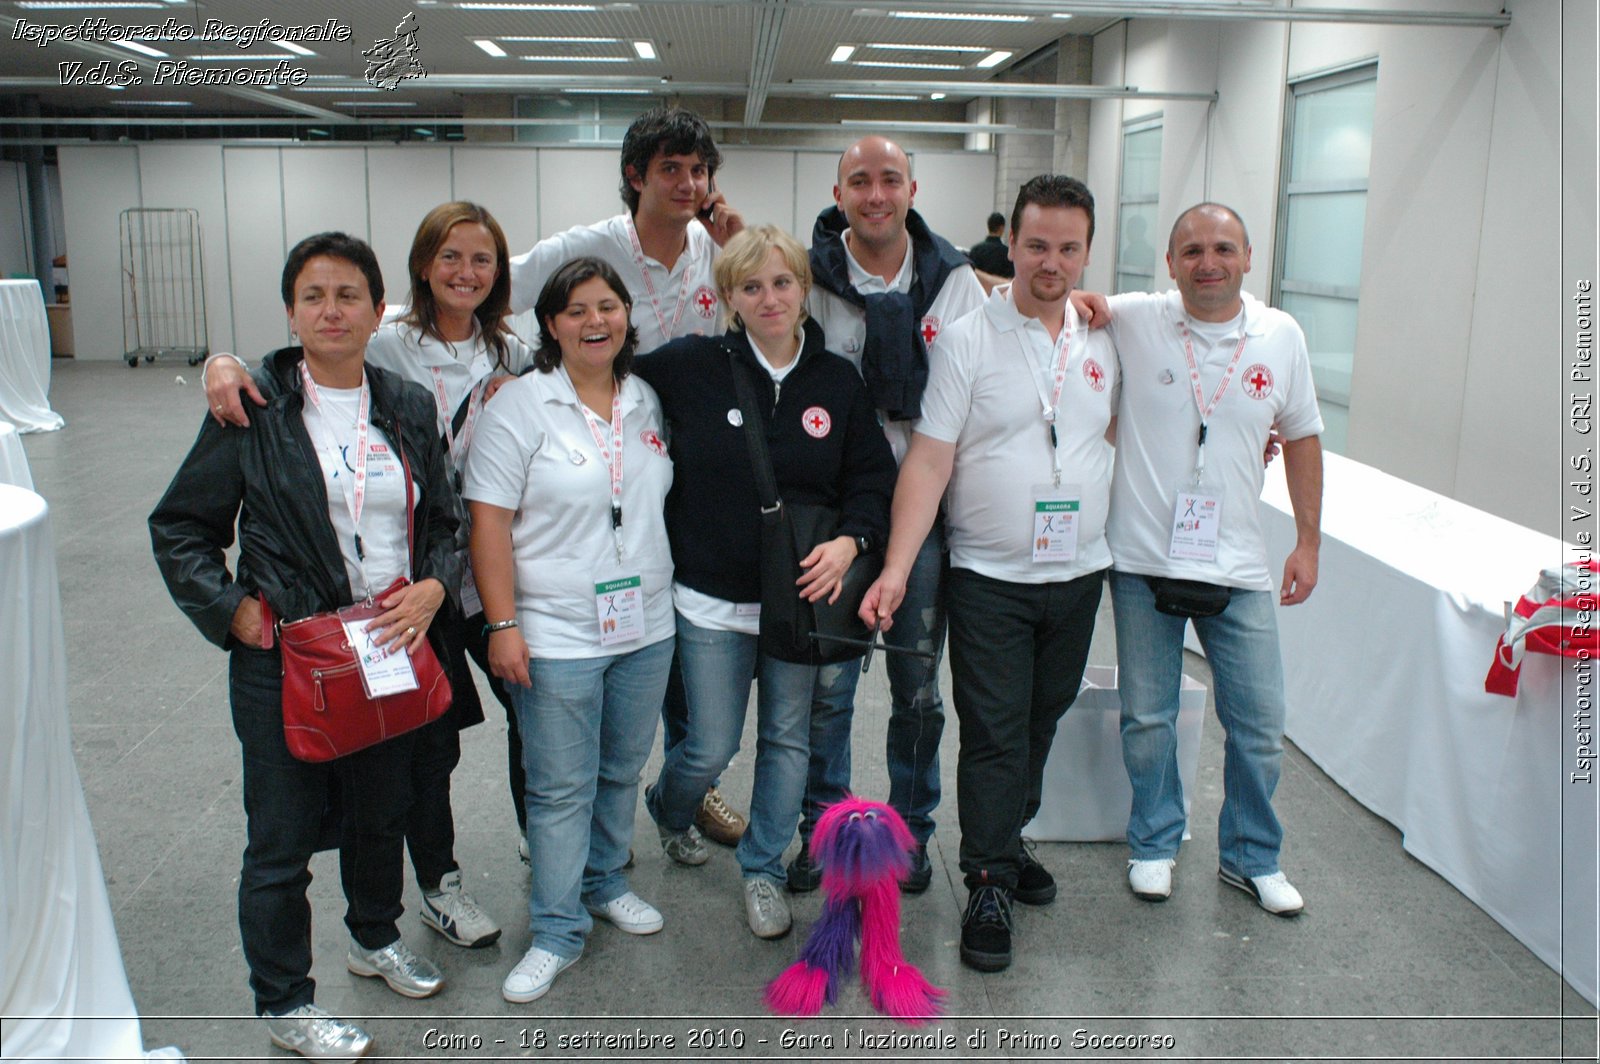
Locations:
{"points": [[991, 254], [566, 486], [318, 485]]}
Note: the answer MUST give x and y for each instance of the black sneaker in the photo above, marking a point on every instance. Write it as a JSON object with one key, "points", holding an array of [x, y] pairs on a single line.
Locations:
{"points": [[986, 930], [921, 874], [804, 875], [1035, 884]]}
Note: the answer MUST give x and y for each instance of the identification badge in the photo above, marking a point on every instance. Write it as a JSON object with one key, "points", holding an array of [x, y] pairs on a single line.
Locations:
{"points": [[385, 670], [747, 609], [619, 605], [1055, 522], [1196, 523], [471, 604]]}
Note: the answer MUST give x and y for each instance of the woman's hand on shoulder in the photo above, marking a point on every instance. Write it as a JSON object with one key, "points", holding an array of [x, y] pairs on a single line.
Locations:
{"points": [[824, 569], [407, 614]]}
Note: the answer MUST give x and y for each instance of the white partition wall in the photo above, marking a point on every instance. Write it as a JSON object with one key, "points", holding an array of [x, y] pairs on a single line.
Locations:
{"points": [[257, 202], [15, 255]]}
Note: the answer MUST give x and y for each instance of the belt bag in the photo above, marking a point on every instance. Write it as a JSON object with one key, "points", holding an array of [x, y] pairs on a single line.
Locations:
{"points": [[793, 629], [1189, 598], [327, 712]]}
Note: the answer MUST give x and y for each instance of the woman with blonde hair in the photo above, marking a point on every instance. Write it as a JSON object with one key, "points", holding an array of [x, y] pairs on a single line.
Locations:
{"points": [[825, 448]]}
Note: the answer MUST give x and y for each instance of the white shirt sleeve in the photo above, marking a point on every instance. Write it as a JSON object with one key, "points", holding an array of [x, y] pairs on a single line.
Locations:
{"points": [[497, 464], [947, 400], [531, 269]]}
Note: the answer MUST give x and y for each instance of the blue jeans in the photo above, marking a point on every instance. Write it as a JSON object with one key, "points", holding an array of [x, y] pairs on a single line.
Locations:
{"points": [[1241, 645], [587, 725], [717, 671], [916, 712]]}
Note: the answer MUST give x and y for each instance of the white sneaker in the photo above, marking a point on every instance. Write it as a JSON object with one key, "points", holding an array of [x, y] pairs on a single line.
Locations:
{"points": [[1273, 893], [1151, 880], [531, 979], [765, 908], [453, 913], [629, 913], [316, 1035]]}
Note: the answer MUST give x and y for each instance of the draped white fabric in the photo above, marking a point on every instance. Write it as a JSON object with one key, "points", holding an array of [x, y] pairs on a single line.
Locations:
{"points": [[13, 459], [25, 359], [63, 990], [1385, 666]]}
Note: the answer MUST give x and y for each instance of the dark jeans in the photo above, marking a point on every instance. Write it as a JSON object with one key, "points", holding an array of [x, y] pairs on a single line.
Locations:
{"points": [[1017, 654], [430, 823], [284, 802]]}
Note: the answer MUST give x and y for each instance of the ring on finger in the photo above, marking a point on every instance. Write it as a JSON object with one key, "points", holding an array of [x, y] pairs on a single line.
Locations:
{"points": [[411, 631]]}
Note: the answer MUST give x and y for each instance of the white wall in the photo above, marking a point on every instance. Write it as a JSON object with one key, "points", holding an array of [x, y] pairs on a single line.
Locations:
{"points": [[1457, 381], [14, 250], [257, 202]]}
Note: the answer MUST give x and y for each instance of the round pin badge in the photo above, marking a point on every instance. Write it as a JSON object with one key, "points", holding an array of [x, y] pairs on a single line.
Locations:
{"points": [[735, 417], [577, 457]]}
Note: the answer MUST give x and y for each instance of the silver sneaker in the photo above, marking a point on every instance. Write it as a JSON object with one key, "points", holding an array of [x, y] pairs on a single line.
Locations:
{"points": [[686, 846], [453, 913], [404, 971], [765, 908], [316, 1035]]}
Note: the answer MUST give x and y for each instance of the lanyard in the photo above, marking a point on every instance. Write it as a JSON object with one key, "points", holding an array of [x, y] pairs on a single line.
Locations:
{"points": [[612, 457], [457, 446], [356, 498], [1062, 353], [1200, 404], [667, 332]]}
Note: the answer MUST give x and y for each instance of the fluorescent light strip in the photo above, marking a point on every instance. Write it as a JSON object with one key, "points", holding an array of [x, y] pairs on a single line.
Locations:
{"points": [[993, 59], [644, 49], [959, 16], [565, 40], [331, 88], [290, 46], [574, 59], [135, 46], [609, 92], [908, 66], [490, 47], [103, 5], [842, 53], [1061, 14], [929, 47], [371, 103], [237, 57], [870, 96], [153, 103], [473, 5]]}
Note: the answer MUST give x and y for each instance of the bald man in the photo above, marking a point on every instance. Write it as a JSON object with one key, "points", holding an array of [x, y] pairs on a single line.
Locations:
{"points": [[886, 287], [1207, 372]]}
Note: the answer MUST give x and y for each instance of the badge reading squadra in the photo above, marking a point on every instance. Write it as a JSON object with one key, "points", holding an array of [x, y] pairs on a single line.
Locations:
{"points": [[816, 422]]}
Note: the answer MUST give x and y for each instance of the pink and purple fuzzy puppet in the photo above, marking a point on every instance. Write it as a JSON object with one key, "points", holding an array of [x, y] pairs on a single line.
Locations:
{"points": [[865, 850]]}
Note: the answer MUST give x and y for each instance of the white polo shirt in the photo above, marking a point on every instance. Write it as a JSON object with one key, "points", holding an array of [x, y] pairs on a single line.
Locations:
{"points": [[448, 372], [535, 454], [984, 396], [1158, 431], [844, 325], [667, 304]]}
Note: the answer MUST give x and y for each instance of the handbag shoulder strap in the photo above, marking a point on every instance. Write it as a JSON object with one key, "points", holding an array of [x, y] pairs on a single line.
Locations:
{"points": [[755, 435]]}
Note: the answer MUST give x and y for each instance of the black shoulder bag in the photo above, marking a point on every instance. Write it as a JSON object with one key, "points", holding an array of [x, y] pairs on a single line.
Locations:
{"points": [[793, 629]]}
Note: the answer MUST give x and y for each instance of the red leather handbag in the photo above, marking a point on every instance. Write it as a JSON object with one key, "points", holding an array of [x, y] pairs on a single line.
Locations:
{"points": [[327, 712]]}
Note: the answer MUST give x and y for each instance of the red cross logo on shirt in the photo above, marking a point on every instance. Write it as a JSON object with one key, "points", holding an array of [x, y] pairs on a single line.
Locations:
{"points": [[1094, 374], [705, 302], [1258, 381], [816, 422], [930, 329]]}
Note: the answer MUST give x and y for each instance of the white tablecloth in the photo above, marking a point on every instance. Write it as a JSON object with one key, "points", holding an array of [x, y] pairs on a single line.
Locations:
{"points": [[1385, 666], [25, 359], [63, 990], [13, 459]]}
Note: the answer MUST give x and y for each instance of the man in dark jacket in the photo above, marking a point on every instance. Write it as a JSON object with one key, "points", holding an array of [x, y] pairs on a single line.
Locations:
{"points": [[991, 254]]}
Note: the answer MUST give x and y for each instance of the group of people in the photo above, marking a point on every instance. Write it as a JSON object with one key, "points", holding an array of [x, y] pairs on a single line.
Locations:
{"points": [[585, 525]]}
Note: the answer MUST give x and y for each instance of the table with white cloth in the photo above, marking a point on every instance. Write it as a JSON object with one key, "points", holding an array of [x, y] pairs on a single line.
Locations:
{"points": [[1385, 666], [25, 359], [63, 990], [13, 459]]}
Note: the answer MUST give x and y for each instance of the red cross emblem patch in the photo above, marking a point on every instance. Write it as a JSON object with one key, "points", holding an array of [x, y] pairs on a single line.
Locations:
{"points": [[652, 439], [705, 302], [930, 329], [816, 422], [1258, 381], [1094, 374]]}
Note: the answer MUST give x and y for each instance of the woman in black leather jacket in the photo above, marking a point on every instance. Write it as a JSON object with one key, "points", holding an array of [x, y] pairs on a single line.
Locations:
{"points": [[319, 494]]}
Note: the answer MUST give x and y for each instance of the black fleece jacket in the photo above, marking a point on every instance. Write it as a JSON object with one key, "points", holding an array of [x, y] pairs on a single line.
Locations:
{"points": [[267, 477], [823, 436]]}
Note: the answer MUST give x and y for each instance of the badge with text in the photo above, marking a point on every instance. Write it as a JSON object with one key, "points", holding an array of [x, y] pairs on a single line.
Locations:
{"points": [[1196, 524], [1055, 522], [619, 604], [385, 670], [471, 604]]}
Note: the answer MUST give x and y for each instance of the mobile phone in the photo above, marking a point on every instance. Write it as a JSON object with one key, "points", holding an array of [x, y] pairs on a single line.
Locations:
{"points": [[711, 190]]}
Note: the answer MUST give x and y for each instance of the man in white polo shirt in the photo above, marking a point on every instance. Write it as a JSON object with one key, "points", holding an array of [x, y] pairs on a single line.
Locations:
{"points": [[1207, 373], [1014, 422], [885, 288]]}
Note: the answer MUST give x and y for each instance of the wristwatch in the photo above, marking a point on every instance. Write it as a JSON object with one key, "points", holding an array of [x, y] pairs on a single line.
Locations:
{"points": [[863, 544]]}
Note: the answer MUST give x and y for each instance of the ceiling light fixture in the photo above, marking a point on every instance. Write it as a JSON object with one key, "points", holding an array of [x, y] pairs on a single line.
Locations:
{"points": [[476, 5], [842, 53], [645, 49], [152, 103], [490, 47], [290, 46], [959, 16], [930, 47], [574, 58], [993, 59], [104, 5], [564, 40], [908, 66], [142, 49], [229, 57], [935, 95], [870, 96], [372, 103]]}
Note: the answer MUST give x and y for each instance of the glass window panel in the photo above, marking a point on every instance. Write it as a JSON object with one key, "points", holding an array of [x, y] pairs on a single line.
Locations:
{"points": [[1134, 282], [580, 113], [1333, 133], [1324, 238], [1141, 163], [1330, 328], [1136, 249]]}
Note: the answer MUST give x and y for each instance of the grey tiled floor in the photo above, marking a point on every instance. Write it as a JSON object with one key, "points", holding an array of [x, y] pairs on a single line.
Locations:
{"points": [[1388, 962]]}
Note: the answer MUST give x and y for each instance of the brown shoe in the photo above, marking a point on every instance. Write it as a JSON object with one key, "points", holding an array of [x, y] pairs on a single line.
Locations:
{"points": [[718, 821]]}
